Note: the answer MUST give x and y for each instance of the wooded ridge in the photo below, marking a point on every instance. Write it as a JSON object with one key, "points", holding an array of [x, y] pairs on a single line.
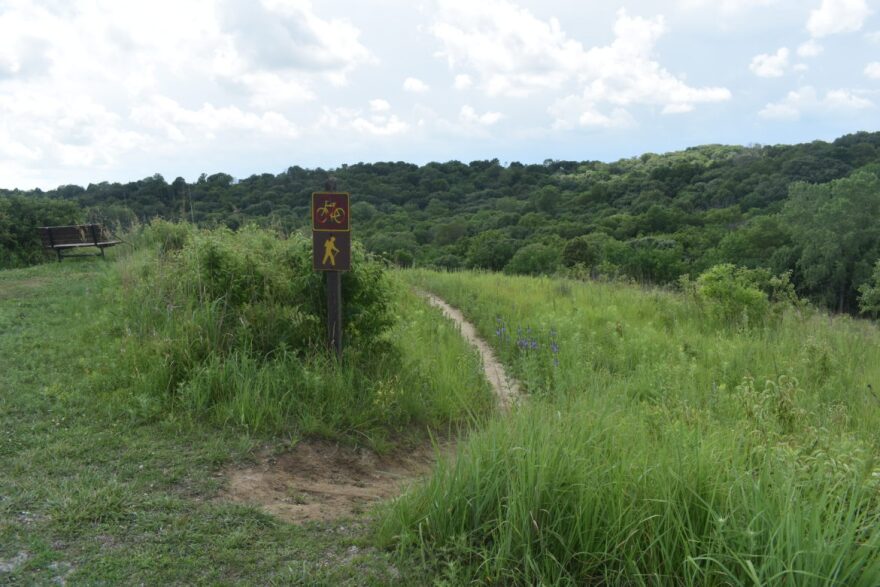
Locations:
{"points": [[812, 209]]}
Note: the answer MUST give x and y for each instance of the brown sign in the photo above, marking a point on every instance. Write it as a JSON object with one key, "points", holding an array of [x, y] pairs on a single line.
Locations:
{"points": [[330, 211], [331, 250]]}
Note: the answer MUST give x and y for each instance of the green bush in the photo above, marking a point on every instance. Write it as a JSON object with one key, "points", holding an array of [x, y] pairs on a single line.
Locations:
{"points": [[732, 295], [869, 294], [535, 259], [20, 243], [213, 316], [167, 236], [257, 291]]}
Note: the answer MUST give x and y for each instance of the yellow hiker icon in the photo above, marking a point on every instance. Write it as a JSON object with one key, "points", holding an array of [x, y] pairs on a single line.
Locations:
{"points": [[330, 251]]}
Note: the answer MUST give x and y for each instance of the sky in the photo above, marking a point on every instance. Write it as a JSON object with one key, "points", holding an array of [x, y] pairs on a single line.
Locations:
{"points": [[118, 90]]}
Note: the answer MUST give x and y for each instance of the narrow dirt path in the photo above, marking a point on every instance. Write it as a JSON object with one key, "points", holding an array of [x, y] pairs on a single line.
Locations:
{"points": [[506, 389], [322, 481]]}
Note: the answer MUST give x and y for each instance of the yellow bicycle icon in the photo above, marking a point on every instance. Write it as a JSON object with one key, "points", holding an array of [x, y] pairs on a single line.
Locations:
{"points": [[330, 212]]}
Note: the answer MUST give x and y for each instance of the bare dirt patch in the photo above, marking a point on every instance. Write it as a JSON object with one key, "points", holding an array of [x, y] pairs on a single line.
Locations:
{"points": [[320, 480]]}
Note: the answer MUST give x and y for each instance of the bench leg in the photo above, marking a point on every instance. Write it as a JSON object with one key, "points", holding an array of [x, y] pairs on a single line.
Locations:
{"points": [[102, 253], [58, 251]]}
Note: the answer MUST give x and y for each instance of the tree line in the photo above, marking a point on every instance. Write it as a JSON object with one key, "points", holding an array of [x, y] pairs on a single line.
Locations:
{"points": [[810, 209]]}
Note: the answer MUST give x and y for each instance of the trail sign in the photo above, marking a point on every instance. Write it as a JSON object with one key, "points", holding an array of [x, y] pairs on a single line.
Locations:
{"points": [[331, 250], [331, 211]]}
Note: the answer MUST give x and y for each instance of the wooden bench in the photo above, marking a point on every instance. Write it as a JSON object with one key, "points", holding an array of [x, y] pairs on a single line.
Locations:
{"points": [[63, 238]]}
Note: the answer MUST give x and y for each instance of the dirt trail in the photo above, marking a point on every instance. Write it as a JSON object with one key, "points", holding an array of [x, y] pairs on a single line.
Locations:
{"points": [[506, 390], [322, 481]]}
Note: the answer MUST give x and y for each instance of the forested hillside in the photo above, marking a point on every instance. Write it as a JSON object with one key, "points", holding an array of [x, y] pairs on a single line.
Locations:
{"points": [[812, 209]]}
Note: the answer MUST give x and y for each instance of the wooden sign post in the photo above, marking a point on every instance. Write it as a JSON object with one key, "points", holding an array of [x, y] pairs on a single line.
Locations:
{"points": [[331, 252]]}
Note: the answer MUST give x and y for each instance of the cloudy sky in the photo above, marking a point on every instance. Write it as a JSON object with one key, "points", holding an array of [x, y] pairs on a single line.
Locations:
{"points": [[116, 90]]}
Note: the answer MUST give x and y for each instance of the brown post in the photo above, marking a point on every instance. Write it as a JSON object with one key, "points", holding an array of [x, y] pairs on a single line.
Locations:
{"points": [[334, 311], [334, 280]]}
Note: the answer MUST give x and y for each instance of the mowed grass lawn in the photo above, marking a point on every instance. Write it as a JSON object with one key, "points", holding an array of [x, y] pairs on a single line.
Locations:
{"points": [[93, 492]]}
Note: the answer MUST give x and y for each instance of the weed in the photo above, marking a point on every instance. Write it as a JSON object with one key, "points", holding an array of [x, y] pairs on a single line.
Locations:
{"points": [[668, 451]]}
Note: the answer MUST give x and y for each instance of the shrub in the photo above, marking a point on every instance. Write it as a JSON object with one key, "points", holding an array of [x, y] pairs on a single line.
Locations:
{"points": [[167, 236], [733, 294], [20, 243], [214, 305], [869, 298], [534, 259]]}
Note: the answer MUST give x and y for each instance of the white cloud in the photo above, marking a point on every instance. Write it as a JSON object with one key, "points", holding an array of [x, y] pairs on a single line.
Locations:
{"points": [[463, 81], [129, 76], [513, 52], [516, 54], [469, 115], [809, 49], [837, 16], [415, 85], [774, 65], [349, 119], [846, 100], [289, 35], [181, 124], [574, 111], [806, 101], [49, 130], [271, 90], [872, 70], [110, 89], [380, 125], [789, 108], [726, 6], [678, 108]]}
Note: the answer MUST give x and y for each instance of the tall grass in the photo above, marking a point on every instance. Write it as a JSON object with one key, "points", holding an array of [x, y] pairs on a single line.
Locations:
{"points": [[661, 446], [229, 328]]}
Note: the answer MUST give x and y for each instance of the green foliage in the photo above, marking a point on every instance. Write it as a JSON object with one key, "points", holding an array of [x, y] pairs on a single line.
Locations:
{"points": [[229, 327], [97, 488], [779, 207], [587, 250], [733, 295], [491, 249], [740, 296], [219, 318], [658, 451], [535, 259], [836, 227], [20, 216], [869, 301]]}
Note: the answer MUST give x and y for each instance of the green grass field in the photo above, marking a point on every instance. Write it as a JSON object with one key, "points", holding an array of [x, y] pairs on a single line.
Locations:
{"points": [[659, 445], [98, 487]]}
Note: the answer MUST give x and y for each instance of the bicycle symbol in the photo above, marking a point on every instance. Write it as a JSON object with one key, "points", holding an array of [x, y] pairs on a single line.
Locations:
{"points": [[330, 212]]}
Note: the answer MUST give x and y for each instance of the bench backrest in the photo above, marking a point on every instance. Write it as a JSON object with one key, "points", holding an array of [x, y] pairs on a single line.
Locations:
{"points": [[72, 235]]}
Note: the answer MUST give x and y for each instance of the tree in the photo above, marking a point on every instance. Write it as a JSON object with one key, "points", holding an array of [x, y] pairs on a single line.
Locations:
{"points": [[546, 199], [535, 259], [836, 228], [869, 300], [449, 233], [491, 249], [587, 250]]}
